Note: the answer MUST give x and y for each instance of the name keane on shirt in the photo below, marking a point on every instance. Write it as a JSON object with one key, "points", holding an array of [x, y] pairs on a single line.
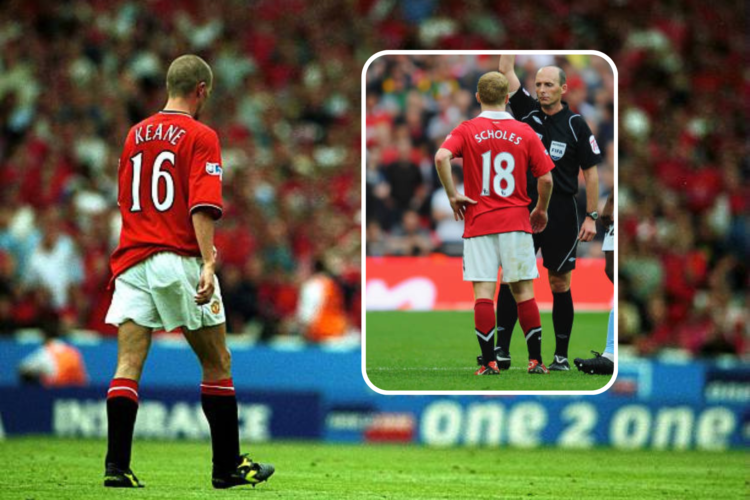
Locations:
{"points": [[172, 134], [497, 134]]}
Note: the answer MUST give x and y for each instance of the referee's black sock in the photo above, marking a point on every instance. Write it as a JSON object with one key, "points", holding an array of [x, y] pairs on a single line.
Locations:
{"points": [[507, 315], [220, 407], [122, 407], [562, 319]]}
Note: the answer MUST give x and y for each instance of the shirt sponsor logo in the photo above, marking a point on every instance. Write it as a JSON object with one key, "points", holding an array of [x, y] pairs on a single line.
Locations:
{"points": [[214, 169], [557, 149], [538, 120], [594, 145]]}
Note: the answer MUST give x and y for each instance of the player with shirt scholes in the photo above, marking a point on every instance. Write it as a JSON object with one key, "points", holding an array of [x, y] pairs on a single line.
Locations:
{"points": [[163, 272], [498, 151], [572, 147]]}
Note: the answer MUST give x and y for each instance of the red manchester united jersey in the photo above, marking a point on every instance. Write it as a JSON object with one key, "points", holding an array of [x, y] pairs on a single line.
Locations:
{"points": [[170, 166], [498, 151]]}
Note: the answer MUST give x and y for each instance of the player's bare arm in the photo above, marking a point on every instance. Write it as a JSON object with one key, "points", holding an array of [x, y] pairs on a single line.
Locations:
{"points": [[203, 224], [538, 216], [608, 212], [457, 200], [507, 68], [588, 228]]}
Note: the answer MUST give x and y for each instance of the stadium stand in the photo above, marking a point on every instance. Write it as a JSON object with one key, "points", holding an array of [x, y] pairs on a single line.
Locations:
{"points": [[74, 76], [413, 104], [74, 79], [683, 189]]}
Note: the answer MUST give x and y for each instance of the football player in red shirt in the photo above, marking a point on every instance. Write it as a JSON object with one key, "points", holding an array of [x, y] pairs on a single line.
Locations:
{"points": [[163, 271], [498, 151]]}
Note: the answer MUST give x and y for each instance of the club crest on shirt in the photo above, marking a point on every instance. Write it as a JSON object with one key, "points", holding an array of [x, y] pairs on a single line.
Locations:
{"points": [[557, 150], [214, 169], [538, 120], [594, 145]]}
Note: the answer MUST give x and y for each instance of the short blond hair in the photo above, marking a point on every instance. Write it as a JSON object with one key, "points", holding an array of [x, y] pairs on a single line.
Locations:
{"points": [[492, 88], [185, 73]]}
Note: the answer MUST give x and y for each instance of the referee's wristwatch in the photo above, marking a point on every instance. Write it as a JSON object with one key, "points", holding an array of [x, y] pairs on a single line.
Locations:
{"points": [[594, 215]]}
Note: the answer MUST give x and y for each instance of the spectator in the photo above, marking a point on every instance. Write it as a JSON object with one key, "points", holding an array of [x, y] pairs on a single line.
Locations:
{"points": [[376, 244], [7, 294], [321, 311], [55, 265], [404, 177], [55, 363], [410, 238], [447, 229]]}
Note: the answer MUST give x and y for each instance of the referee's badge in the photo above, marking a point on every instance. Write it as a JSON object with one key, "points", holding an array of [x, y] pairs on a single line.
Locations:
{"points": [[557, 150], [594, 145]]}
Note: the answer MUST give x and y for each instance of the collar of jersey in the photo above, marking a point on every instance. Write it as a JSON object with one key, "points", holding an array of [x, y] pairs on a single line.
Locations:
{"points": [[496, 115], [173, 112], [565, 108]]}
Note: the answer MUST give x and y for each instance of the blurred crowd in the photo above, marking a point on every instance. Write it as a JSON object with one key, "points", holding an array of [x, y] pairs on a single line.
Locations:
{"points": [[683, 153], [75, 75], [414, 101], [684, 191]]}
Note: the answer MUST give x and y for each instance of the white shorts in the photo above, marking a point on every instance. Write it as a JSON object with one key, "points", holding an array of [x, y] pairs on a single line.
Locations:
{"points": [[160, 293], [514, 252], [609, 240]]}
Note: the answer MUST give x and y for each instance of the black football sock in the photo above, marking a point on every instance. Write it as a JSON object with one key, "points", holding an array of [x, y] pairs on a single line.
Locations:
{"points": [[562, 319], [484, 327], [122, 407], [507, 315], [220, 407]]}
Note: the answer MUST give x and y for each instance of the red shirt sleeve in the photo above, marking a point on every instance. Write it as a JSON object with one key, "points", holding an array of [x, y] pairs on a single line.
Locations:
{"points": [[205, 174], [539, 159], [455, 142]]}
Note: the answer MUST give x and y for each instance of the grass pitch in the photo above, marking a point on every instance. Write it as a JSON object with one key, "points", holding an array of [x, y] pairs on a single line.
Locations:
{"points": [[436, 351], [46, 468]]}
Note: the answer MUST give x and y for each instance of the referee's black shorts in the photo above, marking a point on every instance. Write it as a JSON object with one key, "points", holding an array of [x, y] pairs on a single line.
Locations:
{"points": [[559, 240]]}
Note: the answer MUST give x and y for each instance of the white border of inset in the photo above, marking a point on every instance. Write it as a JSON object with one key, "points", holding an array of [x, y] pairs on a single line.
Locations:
{"points": [[364, 223]]}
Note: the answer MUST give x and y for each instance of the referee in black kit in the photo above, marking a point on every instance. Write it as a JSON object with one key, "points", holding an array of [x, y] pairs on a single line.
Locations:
{"points": [[571, 145]]}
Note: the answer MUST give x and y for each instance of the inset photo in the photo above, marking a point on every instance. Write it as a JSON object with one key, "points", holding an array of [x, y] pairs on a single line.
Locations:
{"points": [[491, 183]]}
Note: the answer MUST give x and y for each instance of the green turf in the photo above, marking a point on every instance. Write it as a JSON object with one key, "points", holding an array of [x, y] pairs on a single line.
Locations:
{"points": [[437, 351], [44, 468]]}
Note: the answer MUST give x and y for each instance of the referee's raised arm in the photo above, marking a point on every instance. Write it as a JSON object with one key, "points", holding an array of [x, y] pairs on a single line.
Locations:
{"points": [[507, 68]]}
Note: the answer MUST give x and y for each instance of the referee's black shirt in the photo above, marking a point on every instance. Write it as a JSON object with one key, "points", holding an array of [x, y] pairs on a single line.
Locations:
{"points": [[567, 137]]}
